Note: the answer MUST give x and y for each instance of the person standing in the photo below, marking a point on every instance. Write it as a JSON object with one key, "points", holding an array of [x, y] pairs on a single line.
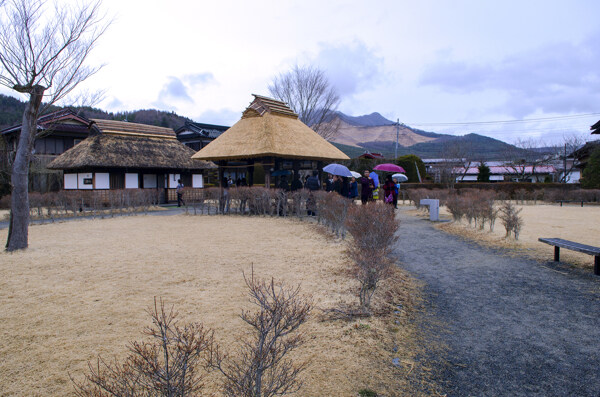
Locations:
{"points": [[329, 183], [337, 184], [312, 184], [179, 191], [296, 183], [367, 185], [389, 191], [353, 193], [397, 193]]}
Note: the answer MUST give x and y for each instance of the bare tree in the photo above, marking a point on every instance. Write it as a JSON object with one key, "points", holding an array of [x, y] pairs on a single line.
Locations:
{"points": [[564, 153], [308, 92], [458, 157], [43, 56], [167, 365], [262, 368], [526, 157]]}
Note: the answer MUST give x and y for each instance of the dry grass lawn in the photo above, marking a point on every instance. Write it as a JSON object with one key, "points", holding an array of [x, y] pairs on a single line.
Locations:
{"points": [[572, 222], [82, 288]]}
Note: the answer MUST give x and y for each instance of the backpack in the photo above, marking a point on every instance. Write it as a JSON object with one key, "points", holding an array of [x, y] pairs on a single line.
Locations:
{"points": [[312, 183]]}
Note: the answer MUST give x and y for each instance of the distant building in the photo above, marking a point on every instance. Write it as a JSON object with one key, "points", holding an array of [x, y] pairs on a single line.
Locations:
{"points": [[505, 173], [198, 135], [370, 155]]}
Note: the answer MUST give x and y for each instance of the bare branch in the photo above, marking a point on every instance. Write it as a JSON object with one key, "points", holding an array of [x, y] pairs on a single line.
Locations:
{"points": [[308, 92]]}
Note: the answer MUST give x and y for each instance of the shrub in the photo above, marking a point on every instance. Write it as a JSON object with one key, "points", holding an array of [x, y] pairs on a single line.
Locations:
{"points": [[262, 368], [373, 227], [168, 364], [511, 220]]}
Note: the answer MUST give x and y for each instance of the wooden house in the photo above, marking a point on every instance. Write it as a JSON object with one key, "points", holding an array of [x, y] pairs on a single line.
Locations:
{"points": [[269, 133], [198, 135], [123, 155], [56, 133]]}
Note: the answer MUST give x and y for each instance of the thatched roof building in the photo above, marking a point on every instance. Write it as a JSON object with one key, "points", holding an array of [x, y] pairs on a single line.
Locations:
{"points": [[120, 155], [269, 128], [117, 144]]}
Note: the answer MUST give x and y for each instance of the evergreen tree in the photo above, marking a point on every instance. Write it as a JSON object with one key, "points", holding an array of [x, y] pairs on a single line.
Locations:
{"points": [[591, 173], [484, 173]]}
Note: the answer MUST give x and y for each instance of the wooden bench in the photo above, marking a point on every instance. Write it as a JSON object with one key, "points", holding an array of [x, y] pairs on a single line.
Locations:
{"points": [[559, 243]]}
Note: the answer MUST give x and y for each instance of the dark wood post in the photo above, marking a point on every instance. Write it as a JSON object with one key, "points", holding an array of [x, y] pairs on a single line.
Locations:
{"points": [[597, 265], [556, 253]]}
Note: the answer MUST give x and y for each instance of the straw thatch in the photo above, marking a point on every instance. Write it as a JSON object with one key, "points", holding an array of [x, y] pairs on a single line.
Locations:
{"points": [[117, 151], [269, 128], [114, 127]]}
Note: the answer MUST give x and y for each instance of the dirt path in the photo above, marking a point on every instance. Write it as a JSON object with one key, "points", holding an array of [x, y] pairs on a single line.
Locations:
{"points": [[514, 327]]}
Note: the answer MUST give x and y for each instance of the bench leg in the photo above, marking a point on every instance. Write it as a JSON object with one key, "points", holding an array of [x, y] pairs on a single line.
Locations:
{"points": [[556, 254], [597, 265]]}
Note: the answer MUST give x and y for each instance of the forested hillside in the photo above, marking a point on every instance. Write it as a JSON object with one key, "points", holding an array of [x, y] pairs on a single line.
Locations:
{"points": [[11, 113]]}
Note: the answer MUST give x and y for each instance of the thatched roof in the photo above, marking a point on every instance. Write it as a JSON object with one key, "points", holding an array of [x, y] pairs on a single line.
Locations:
{"points": [[269, 128], [126, 128], [117, 144]]}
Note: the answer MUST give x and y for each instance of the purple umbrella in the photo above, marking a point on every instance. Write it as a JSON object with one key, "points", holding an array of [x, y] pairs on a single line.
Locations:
{"points": [[389, 167]]}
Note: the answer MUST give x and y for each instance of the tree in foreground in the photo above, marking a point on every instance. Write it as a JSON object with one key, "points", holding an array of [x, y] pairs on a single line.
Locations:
{"points": [[262, 367], [42, 55], [308, 92], [170, 364]]}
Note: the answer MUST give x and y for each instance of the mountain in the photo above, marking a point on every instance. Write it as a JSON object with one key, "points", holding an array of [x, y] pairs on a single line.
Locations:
{"points": [[367, 120], [375, 133]]}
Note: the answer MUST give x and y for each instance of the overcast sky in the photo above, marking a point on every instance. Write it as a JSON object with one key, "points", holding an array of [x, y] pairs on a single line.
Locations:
{"points": [[423, 62]]}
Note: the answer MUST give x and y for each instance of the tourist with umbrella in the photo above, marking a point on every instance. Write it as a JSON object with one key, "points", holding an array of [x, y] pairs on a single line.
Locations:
{"points": [[389, 188]]}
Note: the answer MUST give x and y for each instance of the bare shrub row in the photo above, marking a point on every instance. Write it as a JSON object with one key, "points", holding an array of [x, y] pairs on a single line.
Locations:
{"points": [[69, 203]]}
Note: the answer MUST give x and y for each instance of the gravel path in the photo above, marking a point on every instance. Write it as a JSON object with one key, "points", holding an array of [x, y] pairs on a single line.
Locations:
{"points": [[515, 327]]}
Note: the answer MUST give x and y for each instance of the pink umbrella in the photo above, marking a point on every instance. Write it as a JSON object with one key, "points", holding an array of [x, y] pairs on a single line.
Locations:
{"points": [[389, 167]]}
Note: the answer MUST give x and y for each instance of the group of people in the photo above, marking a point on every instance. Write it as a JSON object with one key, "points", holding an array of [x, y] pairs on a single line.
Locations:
{"points": [[344, 186], [348, 187]]}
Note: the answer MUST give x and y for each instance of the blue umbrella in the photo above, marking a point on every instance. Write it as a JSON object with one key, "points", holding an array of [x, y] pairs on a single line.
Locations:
{"points": [[280, 172], [375, 178], [337, 169]]}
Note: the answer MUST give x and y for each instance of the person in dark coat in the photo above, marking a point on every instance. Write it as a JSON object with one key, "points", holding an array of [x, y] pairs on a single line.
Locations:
{"points": [[312, 184], [337, 184], [367, 185], [329, 183], [353, 193], [296, 183], [345, 187], [389, 191]]}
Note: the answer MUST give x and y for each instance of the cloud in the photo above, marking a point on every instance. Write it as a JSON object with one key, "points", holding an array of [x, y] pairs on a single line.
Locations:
{"points": [[199, 79], [174, 89], [115, 103], [351, 68], [225, 117], [557, 78]]}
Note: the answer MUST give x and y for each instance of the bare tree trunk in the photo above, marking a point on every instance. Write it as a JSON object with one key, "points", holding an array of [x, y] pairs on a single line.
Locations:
{"points": [[19, 215]]}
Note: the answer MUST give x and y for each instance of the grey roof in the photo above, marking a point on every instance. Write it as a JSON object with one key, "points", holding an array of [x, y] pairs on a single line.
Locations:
{"points": [[193, 130]]}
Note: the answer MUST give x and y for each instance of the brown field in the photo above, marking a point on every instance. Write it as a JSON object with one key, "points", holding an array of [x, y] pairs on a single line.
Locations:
{"points": [[82, 288], [572, 222]]}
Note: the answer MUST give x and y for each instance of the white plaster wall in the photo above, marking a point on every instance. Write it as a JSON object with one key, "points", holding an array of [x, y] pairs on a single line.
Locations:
{"points": [[70, 181], [131, 181], [81, 177], [197, 181], [102, 180]]}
